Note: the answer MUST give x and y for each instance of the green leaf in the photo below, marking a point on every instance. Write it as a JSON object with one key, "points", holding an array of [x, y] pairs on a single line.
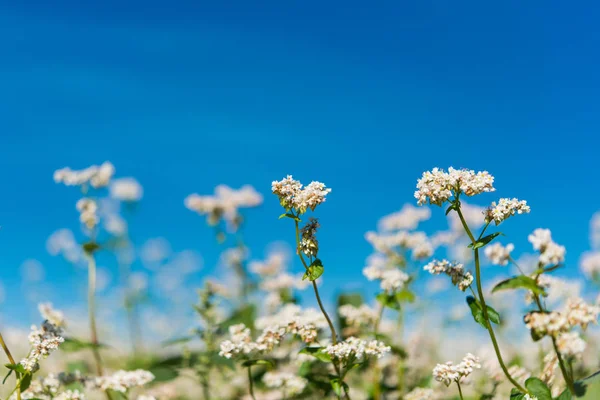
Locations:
{"points": [[25, 381], [250, 363], [337, 385], [477, 312], [180, 340], [520, 282], [388, 300], [405, 295], [315, 270], [483, 241], [538, 388], [71, 345], [316, 352], [515, 394], [452, 207], [289, 215], [16, 367], [565, 395]]}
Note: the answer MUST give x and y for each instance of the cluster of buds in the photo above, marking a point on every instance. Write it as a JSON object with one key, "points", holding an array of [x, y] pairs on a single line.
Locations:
{"points": [[96, 176], [44, 340], [448, 372], [354, 349], [293, 196], [461, 278], [122, 381], [550, 252], [504, 209], [437, 186], [309, 245]]}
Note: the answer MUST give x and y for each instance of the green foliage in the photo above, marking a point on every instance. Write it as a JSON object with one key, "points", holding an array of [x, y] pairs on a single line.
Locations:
{"points": [[317, 352], [538, 388], [520, 282], [483, 241], [72, 345], [315, 270], [477, 312]]}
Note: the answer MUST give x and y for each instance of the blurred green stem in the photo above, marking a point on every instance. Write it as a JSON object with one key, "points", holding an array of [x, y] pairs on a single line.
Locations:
{"points": [[482, 300], [12, 361], [251, 383], [92, 312]]}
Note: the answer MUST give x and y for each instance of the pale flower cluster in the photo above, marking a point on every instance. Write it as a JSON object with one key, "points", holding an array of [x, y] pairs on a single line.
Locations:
{"points": [[448, 372], [289, 383], [461, 278], [55, 317], [358, 316], [437, 186], [224, 204], [88, 212], [570, 344], [70, 395], [421, 394], [576, 313], [302, 322], [122, 381], [408, 218], [273, 265], [44, 340], [550, 252], [498, 254], [417, 242], [590, 264], [391, 279], [126, 189], [293, 196], [355, 349], [505, 208], [96, 176], [241, 343]]}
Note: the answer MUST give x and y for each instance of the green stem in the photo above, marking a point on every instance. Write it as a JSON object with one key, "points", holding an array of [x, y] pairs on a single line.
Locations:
{"points": [[568, 379], [12, 361], [459, 390], [92, 312], [484, 306], [251, 384]]}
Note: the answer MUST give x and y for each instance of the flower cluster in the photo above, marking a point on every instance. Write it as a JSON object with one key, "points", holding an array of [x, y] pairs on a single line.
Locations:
{"points": [[224, 204], [550, 252], [407, 218], [44, 340], [505, 208], [590, 264], [297, 321], [122, 381], [292, 195], [417, 242], [355, 349], [437, 186], [126, 189], [96, 176], [421, 394], [391, 279], [498, 254], [357, 316], [576, 313], [55, 317], [461, 278], [70, 395], [88, 212], [448, 372], [570, 344], [289, 383]]}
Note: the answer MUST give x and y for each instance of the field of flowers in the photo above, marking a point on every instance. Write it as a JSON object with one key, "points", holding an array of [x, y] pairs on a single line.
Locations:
{"points": [[530, 336]]}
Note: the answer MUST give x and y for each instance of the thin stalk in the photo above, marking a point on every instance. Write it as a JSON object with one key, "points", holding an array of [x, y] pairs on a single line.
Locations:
{"points": [[459, 390], [12, 361], [92, 312], [568, 379], [130, 309], [251, 384], [484, 306]]}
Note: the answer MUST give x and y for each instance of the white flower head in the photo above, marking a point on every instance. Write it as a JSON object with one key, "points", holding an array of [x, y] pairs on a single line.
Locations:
{"points": [[437, 186]]}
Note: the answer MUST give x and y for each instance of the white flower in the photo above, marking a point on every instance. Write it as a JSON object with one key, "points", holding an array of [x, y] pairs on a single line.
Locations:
{"points": [[88, 212], [355, 349], [550, 252], [506, 208], [44, 340], [70, 395], [292, 195], [302, 322], [551, 323], [121, 380], [578, 312], [357, 316], [96, 176], [146, 397], [421, 394], [498, 254], [570, 344], [448, 372], [126, 189], [437, 186], [407, 218], [461, 278], [590, 264], [288, 382], [55, 317]]}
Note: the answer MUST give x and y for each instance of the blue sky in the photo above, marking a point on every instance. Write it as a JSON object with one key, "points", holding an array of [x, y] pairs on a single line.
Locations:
{"points": [[363, 97]]}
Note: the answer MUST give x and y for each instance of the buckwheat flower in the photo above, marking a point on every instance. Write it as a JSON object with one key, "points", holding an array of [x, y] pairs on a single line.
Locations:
{"points": [[540, 238], [421, 394], [357, 316], [498, 254], [96, 176], [578, 312], [283, 281], [55, 317], [88, 212], [355, 349], [292, 196], [437, 186], [274, 264], [570, 344], [468, 363], [121, 381], [590, 264], [448, 372], [70, 395], [506, 208], [44, 340], [146, 397], [269, 338], [240, 342], [302, 322], [553, 254], [461, 278], [393, 279], [550, 365], [551, 323], [126, 189], [289, 383], [407, 218]]}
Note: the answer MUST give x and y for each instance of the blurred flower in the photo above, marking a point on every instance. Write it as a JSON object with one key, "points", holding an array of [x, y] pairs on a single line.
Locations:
{"points": [[408, 218], [506, 208], [498, 254], [97, 176], [126, 189]]}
